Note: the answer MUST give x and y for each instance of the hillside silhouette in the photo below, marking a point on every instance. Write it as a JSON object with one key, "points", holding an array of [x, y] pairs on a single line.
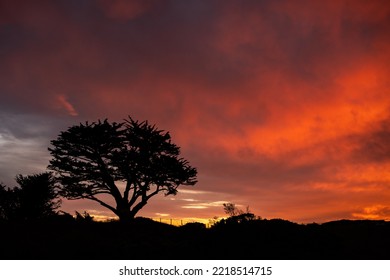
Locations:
{"points": [[64, 237]]}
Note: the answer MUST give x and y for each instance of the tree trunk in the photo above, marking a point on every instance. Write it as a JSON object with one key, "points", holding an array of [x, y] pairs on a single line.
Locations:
{"points": [[124, 213]]}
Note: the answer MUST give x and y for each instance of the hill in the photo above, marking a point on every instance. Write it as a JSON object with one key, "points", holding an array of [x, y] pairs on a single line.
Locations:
{"points": [[147, 239]]}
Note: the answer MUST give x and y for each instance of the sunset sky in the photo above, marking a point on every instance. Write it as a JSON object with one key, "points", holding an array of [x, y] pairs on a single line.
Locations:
{"points": [[282, 106]]}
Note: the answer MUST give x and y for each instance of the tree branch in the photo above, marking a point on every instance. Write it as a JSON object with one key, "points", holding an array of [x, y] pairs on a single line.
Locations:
{"points": [[127, 190], [101, 202], [109, 179], [144, 200]]}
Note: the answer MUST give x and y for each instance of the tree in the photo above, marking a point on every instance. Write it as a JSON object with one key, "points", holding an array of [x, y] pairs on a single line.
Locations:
{"points": [[231, 209], [237, 215], [130, 161], [8, 203], [35, 197]]}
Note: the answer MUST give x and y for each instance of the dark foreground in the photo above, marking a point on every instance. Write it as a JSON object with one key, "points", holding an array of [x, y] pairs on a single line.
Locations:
{"points": [[145, 239]]}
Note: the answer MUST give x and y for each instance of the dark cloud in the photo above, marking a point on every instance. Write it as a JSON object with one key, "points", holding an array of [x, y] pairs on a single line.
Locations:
{"points": [[374, 146], [24, 139]]}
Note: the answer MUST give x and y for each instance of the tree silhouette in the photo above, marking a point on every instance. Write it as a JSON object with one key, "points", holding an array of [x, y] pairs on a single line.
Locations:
{"points": [[131, 161], [237, 215], [35, 197], [231, 209], [8, 203]]}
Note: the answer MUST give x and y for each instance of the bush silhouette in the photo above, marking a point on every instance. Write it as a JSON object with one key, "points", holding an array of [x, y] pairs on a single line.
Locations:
{"points": [[36, 197]]}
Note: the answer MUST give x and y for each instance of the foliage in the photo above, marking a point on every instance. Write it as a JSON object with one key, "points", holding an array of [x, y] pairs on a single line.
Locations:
{"points": [[231, 209], [214, 220], [84, 217], [236, 215], [194, 226], [8, 203], [35, 197], [95, 159]]}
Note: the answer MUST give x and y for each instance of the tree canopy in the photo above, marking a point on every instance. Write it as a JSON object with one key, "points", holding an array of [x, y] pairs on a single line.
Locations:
{"points": [[36, 197], [8, 203], [237, 215], [131, 161]]}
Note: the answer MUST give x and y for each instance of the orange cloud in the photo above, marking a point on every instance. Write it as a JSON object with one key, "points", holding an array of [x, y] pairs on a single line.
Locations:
{"points": [[280, 106], [375, 212]]}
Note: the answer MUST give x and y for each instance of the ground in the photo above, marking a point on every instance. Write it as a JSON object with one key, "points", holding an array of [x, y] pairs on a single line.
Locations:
{"points": [[146, 239]]}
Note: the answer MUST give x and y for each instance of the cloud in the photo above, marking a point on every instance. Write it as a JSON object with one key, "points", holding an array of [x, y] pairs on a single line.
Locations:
{"points": [[374, 145], [125, 10], [374, 212], [66, 105], [280, 106], [20, 157], [24, 139]]}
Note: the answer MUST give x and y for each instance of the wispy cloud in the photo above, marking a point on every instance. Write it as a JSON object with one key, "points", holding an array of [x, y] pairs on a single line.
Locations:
{"points": [[67, 105]]}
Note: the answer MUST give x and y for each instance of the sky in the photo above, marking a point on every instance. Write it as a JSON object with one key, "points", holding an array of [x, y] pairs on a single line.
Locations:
{"points": [[282, 106]]}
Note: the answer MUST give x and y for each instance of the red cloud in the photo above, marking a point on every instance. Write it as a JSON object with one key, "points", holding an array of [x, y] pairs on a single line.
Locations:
{"points": [[125, 10], [280, 106]]}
